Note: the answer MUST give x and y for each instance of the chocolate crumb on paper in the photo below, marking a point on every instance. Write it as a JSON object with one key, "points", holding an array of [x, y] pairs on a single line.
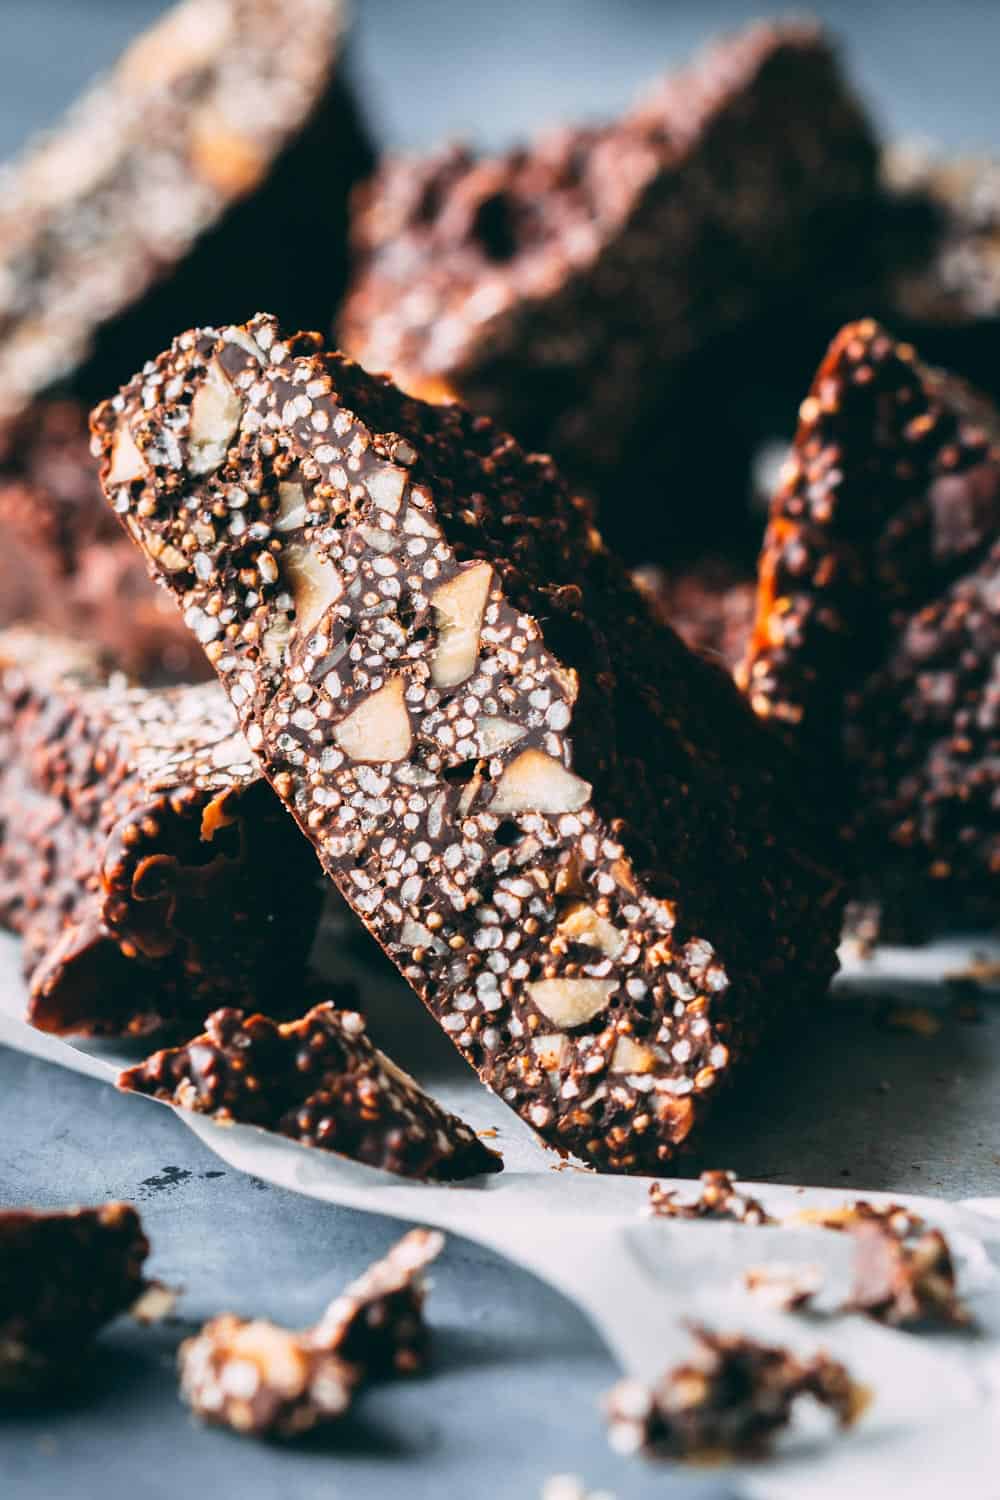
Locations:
{"points": [[63, 1276], [570, 833], [719, 1198], [264, 1380], [730, 1400], [144, 860], [787, 1288], [318, 1080]]}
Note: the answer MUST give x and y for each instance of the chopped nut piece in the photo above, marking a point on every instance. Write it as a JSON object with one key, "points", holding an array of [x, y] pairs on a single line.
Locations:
{"points": [[629, 1057], [550, 1050], [494, 735], [584, 925], [458, 615], [313, 582], [62, 1277], [215, 419], [571, 1002], [261, 1379], [719, 1199], [730, 1400], [378, 730], [320, 1081], [534, 782], [127, 462]]}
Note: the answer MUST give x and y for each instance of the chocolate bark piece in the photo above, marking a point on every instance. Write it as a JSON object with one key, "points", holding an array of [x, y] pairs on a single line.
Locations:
{"points": [[377, 1323], [63, 1275], [569, 832], [65, 566], [143, 858], [261, 1379], [876, 636], [710, 605], [573, 285], [214, 161], [320, 1081], [719, 1199], [730, 1400], [905, 1281]]}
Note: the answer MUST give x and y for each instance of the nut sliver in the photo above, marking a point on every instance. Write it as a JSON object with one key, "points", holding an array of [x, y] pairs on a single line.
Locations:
{"points": [[664, 888]]}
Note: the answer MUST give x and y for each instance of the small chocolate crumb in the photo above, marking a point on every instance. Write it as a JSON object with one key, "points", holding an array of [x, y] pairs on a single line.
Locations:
{"points": [[719, 1199]]}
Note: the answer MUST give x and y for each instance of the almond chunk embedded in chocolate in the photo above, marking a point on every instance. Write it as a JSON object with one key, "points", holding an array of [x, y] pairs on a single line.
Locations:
{"points": [[589, 835]]}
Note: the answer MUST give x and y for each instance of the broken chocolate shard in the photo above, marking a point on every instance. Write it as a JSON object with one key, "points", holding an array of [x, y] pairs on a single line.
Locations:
{"points": [[65, 566], [144, 860], [730, 1400], [261, 1379], [582, 850], [573, 287], [719, 1198], [905, 1280], [318, 1080], [63, 1275], [190, 172], [877, 638]]}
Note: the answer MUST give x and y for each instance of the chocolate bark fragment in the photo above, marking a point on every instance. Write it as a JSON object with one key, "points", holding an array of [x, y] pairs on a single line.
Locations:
{"points": [[214, 161], [571, 287], [719, 1199], [786, 1288], [320, 1081], [730, 1400], [63, 1276], [877, 637], [710, 605], [143, 858], [261, 1379], [65, 566], [906, 1278], [569, 832]]}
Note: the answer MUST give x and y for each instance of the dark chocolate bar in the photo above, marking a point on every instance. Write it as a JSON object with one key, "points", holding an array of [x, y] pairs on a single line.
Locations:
{"points": [[65, 566], [63, 1276], [576, 286], [877, 635], [729, 1401], [320, 1081], [214, 161], [568, 831], [143, 858], [264, 1380]]}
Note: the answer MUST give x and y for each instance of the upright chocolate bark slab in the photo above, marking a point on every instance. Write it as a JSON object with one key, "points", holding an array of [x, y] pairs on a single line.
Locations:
{"points": [[63, 1276], [877, 634], [143, 858], [576, 288], [318, 1080], [213, 161], [568, 831]]}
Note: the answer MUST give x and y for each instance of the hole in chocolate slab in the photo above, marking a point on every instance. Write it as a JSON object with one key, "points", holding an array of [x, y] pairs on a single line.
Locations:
{"points": [[460, 774], [493, 226], [507, 834]]}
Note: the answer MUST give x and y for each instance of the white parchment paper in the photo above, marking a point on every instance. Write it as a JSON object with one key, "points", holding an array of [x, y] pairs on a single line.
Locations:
{"points": [[935, 1417]]}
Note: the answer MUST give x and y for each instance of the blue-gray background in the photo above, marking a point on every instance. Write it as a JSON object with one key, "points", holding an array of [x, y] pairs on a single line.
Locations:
{"points": [[518, 1371]]}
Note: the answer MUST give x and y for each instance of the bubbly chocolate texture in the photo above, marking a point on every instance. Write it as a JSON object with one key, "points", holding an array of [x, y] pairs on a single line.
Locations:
{"points": [[65, 565], [877, 635], [264, 1380], [143, 858], [320, 1081], [188, 175], [63, 1275], [569, 832], [574, 288]]}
